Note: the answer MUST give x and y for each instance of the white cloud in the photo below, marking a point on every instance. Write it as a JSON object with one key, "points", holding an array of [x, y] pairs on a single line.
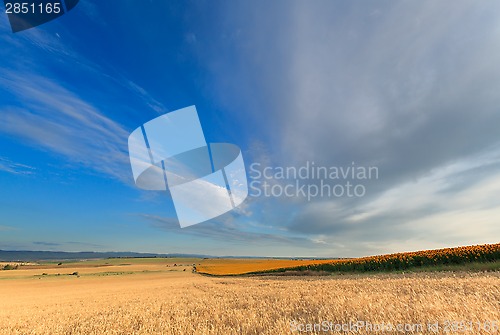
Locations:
{"points": [[48, 115], [55, 119], [9, 166], [410, 87], [431, 189]]}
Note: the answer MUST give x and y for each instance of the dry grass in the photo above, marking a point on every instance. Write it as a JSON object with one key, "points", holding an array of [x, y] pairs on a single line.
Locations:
{"points": [[173, 301], [98, 267]]}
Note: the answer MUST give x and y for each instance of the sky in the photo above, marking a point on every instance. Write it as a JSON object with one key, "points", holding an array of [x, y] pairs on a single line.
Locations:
{"points": [[407, 88]]}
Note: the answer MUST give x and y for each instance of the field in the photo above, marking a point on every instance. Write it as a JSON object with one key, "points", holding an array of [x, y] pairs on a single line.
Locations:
{"points": [[478, 257], [152, 296], [234, 266]]}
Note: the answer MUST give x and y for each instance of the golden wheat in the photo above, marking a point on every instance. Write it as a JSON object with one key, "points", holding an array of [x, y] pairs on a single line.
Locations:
{"points": [[174, 301]]}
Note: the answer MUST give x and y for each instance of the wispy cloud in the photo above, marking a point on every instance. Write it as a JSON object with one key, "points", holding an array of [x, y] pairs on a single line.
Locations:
{"points": [[46, 113], [148, 100], [68, 245], [84, 244], [55, 119], [47, 244], [228, 230], [9, 166]]}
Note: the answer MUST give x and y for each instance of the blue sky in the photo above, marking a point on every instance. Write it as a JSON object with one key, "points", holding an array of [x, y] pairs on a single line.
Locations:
{"points": [[408, 87]]}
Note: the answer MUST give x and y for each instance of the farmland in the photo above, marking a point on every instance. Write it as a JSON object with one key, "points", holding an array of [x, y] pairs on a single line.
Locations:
{"points": [[478, 257], [163, 296], [232, 266]]}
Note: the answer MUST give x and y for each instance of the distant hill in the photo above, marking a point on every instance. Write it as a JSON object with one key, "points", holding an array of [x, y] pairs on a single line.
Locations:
{"points": [[11, 256]]}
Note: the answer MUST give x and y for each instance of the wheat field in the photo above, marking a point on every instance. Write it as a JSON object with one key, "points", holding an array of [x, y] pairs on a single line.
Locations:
{"points": [[161, 299]]}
